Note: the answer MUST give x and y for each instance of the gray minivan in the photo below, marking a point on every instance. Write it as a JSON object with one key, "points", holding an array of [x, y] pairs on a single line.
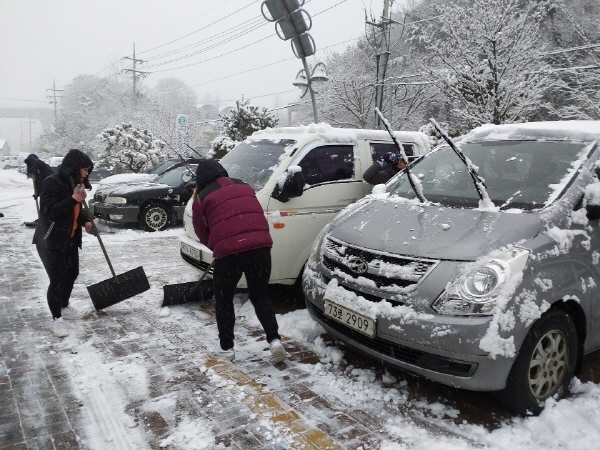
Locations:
{"points": [[490, 289]]}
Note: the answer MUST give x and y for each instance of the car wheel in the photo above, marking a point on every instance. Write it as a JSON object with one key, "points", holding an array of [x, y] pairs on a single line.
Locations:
{"points": [[6, 167], [544, 366], [154, 217]]}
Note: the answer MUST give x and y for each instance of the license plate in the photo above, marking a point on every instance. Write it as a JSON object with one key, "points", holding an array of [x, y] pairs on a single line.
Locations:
{"points": [[351, 319], [190, 251]]}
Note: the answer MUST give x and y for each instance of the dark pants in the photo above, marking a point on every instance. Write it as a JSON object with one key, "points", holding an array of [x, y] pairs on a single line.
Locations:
{"points": [[256, 265], [62, 269]]}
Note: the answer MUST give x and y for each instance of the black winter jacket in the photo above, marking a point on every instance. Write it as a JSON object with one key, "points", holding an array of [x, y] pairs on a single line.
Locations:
{"points": [[38, 170], [378, 174], [57, 206]]}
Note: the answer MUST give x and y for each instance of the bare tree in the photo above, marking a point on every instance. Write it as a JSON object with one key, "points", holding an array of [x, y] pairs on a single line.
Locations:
{"points": [[487, 62]]}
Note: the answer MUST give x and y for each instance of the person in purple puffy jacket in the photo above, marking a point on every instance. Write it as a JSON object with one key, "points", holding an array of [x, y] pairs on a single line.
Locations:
{"points": [[229, 220]]}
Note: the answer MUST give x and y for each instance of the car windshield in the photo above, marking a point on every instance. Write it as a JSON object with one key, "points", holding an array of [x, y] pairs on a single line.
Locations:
{"points": [[173, 176], [517, 174], [254, 161]]}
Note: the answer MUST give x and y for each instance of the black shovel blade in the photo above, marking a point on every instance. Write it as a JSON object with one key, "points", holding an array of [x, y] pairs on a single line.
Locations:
{"points": [[112, 291], [176, 294]]}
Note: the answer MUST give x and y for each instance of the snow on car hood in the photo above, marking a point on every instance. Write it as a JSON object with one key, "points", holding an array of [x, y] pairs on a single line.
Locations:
{"points": [[128, 178], [433, 231], [122, 190]]}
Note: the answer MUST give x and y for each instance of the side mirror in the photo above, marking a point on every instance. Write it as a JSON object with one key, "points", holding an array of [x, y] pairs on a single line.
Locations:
{"points": [[293, 186], [593, 212], [187, 176]]}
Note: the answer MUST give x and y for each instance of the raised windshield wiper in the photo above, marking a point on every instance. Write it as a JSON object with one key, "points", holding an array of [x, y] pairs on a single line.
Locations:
{"points": [[418, 192], [477, 180]]}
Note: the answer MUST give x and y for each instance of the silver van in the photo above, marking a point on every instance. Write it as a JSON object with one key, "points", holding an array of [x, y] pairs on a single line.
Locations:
{"points": [[489, 289]]}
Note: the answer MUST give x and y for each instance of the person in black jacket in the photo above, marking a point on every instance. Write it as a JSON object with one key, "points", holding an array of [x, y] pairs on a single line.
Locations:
{"points": [[38, 171], [58, 233], [381, 171]]}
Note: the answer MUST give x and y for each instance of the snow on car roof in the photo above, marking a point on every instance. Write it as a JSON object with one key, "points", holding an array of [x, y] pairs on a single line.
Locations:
{"points": [[584, 130], [340, 135]]}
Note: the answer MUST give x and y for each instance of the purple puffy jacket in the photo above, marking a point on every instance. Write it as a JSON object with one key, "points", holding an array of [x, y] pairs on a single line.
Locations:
{"points": [[228, 218]]}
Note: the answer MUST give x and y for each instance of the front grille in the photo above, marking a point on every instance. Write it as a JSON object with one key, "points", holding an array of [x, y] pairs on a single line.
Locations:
{"points": [[399, 352], [385, 270]]}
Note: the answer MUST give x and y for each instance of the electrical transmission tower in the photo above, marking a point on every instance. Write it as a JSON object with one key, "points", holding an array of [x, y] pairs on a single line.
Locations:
{"points": [[382, 45], [135, 74], [54, 96]]}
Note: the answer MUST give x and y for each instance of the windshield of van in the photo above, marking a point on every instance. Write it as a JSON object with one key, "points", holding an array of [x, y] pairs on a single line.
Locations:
{"points": [[518, 174], [254, 161]]}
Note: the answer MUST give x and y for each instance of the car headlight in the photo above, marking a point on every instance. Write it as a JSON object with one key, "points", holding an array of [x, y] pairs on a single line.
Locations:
{"points": [[115, 200], [314, 257], [476, 292]]}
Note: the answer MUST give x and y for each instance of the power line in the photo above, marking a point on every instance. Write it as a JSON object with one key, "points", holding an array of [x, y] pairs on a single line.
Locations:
{"points": [[203, 28], [226, 40], [572, 49]]}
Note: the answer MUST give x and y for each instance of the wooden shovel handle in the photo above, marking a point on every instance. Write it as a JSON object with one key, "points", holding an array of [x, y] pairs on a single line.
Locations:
{"points": [[203, 275], [89, 214]]}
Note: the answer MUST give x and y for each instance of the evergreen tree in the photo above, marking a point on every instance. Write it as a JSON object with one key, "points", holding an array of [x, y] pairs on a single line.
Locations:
{"points": [[240, 123], [136, 149]]}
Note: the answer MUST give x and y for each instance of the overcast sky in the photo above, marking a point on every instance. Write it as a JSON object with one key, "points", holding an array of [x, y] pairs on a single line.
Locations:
{"points": [[57, 40], [237, 55]]}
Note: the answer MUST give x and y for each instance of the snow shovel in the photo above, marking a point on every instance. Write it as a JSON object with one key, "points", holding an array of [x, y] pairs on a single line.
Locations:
{"points": [[119, 287], [176, 294]]}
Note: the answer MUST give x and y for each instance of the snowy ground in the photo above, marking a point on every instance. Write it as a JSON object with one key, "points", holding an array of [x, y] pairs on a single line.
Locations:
{"points": [[407, 420]]}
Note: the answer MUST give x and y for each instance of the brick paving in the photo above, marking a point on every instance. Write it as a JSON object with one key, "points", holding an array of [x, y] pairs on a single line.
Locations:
{"points": [[46, 401], [41, 407]]}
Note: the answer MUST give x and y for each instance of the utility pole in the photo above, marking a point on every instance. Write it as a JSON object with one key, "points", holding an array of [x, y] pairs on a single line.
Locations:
{"points": [[383, 55], [54, 96], [134, 72]]}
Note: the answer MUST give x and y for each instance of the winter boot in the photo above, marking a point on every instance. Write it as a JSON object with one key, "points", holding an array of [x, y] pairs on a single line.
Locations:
{"points": [[278, 351], [70, 313], [59, 328], [227, 355]]}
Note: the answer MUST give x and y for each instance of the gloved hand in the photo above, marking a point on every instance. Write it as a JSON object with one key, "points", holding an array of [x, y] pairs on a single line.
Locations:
{"points": [[91, 229], [35, 196], [79, 193]]}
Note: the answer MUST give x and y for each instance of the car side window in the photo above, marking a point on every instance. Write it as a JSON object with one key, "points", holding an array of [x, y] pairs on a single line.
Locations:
{"points": [[379, 149], [328, 163]]}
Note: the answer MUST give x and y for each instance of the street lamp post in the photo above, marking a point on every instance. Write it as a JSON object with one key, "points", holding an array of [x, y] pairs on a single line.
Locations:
{"points": [[293, 23], [317, 76]]}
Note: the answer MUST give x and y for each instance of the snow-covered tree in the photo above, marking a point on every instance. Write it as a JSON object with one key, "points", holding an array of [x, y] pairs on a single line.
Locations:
{"points": [[486, 58], [245, 119], [347, 100], [169, 98], [136, 149], [240, 123], [579, 66]]}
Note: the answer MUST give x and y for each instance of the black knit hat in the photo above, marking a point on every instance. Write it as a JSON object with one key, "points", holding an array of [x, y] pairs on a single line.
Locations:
{"points": [[209, 170]]}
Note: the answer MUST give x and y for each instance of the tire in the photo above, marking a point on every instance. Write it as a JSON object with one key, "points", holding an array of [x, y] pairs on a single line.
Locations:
{"points": [[544, 366], [6, 167], [154, 217]]}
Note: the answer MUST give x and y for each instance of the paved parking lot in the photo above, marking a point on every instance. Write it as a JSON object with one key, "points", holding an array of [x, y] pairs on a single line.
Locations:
{"points": [[157, 376]]}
